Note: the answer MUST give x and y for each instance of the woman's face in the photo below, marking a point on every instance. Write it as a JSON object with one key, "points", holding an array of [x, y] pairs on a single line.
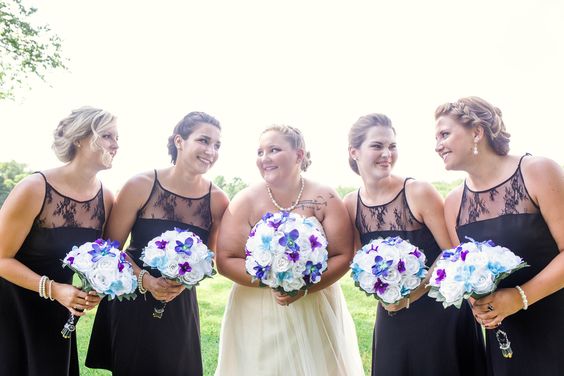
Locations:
{"points": [[454, 143], [201, 149], [104, 149], [377, 154], [276, 159]]}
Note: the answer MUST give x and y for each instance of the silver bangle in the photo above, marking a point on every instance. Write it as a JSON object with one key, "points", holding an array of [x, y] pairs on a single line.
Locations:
{"points": [[523, 297], [142, 290]]}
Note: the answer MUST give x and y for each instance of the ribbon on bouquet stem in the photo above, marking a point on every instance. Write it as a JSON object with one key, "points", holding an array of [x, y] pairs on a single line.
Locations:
{"points": [[504, 343], [70, 325], [159, 308]]}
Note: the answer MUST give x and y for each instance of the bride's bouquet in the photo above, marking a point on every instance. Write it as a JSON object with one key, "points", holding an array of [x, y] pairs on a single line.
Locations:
{"points": [[286, 252], [103, 268], [389, 269], [473, 269], [181, 256]]}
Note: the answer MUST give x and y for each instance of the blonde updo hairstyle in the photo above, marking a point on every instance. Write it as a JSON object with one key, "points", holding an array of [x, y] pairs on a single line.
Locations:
{"points": [[358, 131], [473, 112], [81, 123], [296, 140]]}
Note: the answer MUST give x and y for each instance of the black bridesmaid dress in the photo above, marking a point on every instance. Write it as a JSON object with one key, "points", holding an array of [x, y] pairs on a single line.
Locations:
{"points": [[30, 327], [425, 339], [126, 339], [507, 215]]}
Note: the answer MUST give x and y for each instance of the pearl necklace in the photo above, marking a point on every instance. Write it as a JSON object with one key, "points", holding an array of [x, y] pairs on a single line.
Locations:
{"points": [[296, 202]]}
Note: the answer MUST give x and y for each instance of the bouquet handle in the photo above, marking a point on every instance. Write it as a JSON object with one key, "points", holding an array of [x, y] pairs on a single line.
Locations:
{"points": [[504, 344], [70, 326], [159, 308]]}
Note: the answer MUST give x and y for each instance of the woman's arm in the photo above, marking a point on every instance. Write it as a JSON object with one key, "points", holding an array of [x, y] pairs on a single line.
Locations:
{"points": [[233, 233], [219, 203], [16, 219], [545, 183]]}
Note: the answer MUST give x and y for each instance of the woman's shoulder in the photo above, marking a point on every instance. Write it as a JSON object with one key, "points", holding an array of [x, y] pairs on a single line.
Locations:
{"points": [[420, 189], [27, 195], [539, 166]]}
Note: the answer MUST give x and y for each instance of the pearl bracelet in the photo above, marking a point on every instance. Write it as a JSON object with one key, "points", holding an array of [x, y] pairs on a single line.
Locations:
{"points": [[142, 290], [407, 304], [305, 293], [51, 290], [42, 282], [523, 297]]}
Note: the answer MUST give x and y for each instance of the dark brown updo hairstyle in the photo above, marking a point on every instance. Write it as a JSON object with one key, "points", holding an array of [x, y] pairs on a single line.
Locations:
{"points": [[186, 126], [358, 131], [473, 112], [296, 139]]}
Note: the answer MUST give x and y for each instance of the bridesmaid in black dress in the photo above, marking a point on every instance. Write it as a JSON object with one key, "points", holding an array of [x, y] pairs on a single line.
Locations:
{"points": [[126, 338], [44, 216], [420, 337], [517, 202]]}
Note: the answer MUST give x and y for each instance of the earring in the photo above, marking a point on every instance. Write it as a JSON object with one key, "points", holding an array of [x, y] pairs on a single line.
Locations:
{"points": [[475, 149]]}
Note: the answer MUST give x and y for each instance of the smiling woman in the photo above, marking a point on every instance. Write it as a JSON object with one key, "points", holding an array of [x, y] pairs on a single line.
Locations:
{"points": [[148, 205], [44, 216]]}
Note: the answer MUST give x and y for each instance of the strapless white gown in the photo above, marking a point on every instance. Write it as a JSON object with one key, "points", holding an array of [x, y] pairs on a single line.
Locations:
{"points": [[314, 336]]}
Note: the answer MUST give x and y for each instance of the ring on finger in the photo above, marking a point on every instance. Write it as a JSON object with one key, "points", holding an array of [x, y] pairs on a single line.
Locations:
{"points": [[490, 307]]}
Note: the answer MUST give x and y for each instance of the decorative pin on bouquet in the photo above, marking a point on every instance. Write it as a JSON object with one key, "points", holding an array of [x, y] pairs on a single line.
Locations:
{"points": [[101, 267], [181, 256], [286, 252], [473, 269], [389, 269]]}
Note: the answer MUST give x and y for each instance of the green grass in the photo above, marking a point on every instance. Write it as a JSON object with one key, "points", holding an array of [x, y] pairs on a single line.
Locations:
{"points": [[212, 296]]}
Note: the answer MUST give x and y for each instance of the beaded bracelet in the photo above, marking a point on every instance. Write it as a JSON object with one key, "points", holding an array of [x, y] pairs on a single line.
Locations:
{"points": [[50, 290], [523, 297], [305, 293], [42, 282], [142, 290], [407, 304]]}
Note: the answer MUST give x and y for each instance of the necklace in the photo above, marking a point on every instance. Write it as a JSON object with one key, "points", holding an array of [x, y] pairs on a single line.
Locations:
{"points": [[288, 209]]}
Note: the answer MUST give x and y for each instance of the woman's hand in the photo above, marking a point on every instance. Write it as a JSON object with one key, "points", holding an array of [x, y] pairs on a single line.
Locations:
{"points": [[492, 309], [161, 288], [74, 299], [402, 304], [284, 299]]}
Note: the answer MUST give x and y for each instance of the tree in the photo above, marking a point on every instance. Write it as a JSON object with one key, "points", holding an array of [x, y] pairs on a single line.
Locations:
{"points": [[342, 190], [25, 49], [10, 174], [232, 187]]}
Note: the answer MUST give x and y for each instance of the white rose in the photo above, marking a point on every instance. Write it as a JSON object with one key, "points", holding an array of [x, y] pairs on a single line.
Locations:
{"points": [[250, 264], [391, 295], [482, 281], [393, 277], [410, 282], [171, 269], [509, 260], [365, 261], [293, 284], [388, 252], [193, 277], [452, 291], [82, 262], [102, 274], [367, 282], [412, 264], [478, 259], [280, 263], [263, 258]]}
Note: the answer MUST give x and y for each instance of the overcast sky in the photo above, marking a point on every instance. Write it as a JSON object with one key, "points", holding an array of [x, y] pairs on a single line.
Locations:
{"points": [[316, 65]]}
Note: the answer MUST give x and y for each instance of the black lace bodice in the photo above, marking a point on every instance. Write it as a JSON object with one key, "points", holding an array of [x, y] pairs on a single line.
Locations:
{"points": [[164, 204], [392, 216], [165, 210], [62, 223], [509, 197]]}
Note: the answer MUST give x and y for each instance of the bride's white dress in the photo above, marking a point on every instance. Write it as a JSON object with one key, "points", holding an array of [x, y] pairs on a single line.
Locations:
{"points": [[314, 336]]}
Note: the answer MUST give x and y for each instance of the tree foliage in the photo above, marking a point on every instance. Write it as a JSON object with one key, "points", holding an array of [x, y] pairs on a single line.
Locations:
{"points": [[10, 174], [26, 50], [230, 187]]}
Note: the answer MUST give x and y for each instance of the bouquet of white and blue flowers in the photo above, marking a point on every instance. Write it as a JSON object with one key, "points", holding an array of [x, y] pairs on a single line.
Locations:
{"points": [[473, 269], [389, 269], [103, 268], [286, 252], [181, 256]]}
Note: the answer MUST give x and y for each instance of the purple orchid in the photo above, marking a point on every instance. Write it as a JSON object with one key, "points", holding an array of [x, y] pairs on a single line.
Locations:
{"points": [[184, 247], [184, 268]]}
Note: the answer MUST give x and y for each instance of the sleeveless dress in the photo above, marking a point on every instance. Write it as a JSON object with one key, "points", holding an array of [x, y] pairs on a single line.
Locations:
{"points": [[425, 339], [507, 215], [126, 339], [30, 326], [314, 336]]}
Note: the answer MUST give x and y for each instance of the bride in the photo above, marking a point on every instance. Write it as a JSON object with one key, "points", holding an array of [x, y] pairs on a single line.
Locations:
{"points": [[268, 333]]}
